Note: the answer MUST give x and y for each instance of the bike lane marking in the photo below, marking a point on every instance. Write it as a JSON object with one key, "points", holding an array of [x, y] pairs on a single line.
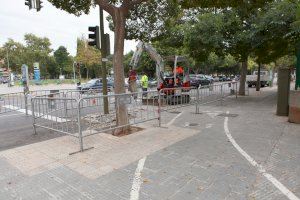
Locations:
{"points": [[290, 195]]}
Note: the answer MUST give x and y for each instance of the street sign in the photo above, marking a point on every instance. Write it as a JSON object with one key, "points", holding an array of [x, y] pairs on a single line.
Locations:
{"points": [[25, 78], [104, 60], [37, 74]]}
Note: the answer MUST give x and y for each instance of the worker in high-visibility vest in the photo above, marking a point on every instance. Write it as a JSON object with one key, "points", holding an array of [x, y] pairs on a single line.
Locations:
{"points": [[144, 83]]}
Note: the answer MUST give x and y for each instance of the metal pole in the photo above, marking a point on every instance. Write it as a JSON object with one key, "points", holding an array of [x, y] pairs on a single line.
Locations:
{"points": [[26, 102], [103, 55], [159, 109], [222, 94], [33, 116], [8, 69], [79, 126], [236, 92], [197, 100], [74, 74]]}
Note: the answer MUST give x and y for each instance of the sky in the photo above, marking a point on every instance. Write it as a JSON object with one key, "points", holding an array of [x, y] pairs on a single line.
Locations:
{"points": [[59, 26]]}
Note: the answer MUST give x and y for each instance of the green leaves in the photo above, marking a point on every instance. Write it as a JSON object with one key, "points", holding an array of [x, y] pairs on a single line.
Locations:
{"points": [[76, 7], [63, 60]]}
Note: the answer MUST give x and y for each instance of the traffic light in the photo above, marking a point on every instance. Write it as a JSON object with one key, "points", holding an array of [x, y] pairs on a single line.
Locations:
{"points": [[28, 3], [94, 37], [107, 44], [38, 5]]}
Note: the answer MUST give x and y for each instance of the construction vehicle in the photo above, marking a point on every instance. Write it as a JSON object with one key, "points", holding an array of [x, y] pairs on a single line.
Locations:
{"points": [[167, 81], [177, 77]]}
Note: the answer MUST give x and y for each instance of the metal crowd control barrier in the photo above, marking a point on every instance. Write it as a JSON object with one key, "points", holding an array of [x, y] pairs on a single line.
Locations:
{"points": [[81, 114], [21, 101], [179, 97]]}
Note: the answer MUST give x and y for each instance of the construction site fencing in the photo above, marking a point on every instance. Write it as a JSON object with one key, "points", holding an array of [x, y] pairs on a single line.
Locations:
{"points": [[172, 99], [20, 101], [83, 113]]}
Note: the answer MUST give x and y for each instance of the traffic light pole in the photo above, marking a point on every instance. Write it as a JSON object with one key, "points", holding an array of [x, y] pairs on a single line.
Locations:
{"points": [[297, 84], [103, 56]]}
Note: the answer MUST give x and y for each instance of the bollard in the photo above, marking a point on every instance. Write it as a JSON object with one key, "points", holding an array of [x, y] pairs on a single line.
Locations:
{"points": [[236, 92], [159, 109], [221, 94], [197, 101]]}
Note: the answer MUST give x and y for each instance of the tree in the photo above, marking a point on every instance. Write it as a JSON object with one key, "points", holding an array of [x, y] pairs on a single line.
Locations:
{"points": [[63, 60], [37, 49], [15, 52], [89, 57], [119, 11]]}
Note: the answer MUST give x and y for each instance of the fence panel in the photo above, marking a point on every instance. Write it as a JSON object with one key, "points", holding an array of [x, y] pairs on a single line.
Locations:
{"points": [[140, 106], [56, 112], [12, 102]]}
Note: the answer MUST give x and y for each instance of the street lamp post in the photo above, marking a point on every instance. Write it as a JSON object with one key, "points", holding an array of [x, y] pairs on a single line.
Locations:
{"points": [[74, 74], [8, 69]]}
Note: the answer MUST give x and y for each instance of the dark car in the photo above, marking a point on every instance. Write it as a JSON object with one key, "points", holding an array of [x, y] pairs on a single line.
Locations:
{"points": [[222, 78], [198, 80], [95, 84]]}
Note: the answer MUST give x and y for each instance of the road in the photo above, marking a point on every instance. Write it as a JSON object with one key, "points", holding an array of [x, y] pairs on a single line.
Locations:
{"points": [[237, 150]]}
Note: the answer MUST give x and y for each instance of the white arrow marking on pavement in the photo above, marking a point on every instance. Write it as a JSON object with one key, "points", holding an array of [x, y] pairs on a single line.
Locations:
{"points": [[48, 117], [259, 167], [137, 181]]}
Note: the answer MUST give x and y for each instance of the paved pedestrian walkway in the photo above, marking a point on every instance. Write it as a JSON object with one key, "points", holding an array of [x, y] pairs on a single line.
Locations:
{"points": [[194, 157]]}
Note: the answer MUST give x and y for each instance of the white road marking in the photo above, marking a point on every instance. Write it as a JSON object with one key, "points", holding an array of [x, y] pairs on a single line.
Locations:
{"points": [[173, 120], [259, 167], [48, 117], [137, 181], [12, 115], [208, 125]]}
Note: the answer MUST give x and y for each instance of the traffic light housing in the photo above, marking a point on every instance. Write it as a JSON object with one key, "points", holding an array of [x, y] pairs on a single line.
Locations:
{"points": [[38, 5], [29, 4], [94, 37], [107, 44]]}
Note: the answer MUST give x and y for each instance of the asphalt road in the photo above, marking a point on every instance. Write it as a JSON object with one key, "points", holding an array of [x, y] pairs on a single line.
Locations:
{"points": [[16, 130]]}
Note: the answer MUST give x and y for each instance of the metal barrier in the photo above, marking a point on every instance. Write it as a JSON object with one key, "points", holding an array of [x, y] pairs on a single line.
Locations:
{"points": [[81, 114], [20, 101], [174, 98], [11, 102]]}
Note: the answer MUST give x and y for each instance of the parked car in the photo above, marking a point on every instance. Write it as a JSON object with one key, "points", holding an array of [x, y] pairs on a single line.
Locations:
{"points": [[222, 78], [3, 80], [210, 78], [95, 84], [198, 80], [216, 79]]}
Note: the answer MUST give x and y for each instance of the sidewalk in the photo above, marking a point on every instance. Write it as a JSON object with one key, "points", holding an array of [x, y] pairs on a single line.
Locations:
{"points": [[191, 159]]}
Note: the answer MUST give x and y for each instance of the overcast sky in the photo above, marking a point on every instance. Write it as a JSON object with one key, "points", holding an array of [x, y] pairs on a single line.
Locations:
{"points": [[59, 26]]}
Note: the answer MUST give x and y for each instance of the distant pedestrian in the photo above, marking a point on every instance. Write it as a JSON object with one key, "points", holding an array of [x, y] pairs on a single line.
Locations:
{"points": [[132, 77], [144, 82]]}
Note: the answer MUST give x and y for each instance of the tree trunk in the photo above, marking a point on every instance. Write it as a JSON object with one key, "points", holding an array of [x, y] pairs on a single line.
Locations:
{"points": [[121, 109], [258, 77], [243, 77]]}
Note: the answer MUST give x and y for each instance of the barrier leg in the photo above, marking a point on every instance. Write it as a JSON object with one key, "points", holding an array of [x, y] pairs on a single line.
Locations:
{"points": [[33, 117]]}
